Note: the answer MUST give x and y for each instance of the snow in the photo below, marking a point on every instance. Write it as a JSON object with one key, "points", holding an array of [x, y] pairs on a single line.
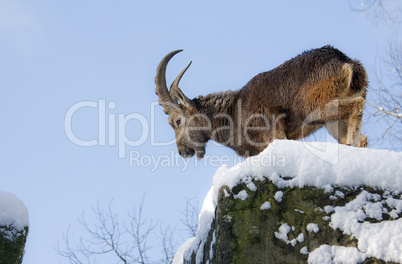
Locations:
{"points": [[382, 240], [212, 244], [339, 194], [278, 196], [265, 206], [311, 227], [328, 209], [326, 254], [13, 211], [252, 186], [284, 229], [355, 166], [178, 257], [205, 220], [243, 195], [396, 206], [322, 165], [300, 237], [304, 250]]}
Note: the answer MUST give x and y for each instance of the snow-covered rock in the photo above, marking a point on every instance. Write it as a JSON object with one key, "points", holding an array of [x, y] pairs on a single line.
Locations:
{"points": [[14, 222], [327, 201]]}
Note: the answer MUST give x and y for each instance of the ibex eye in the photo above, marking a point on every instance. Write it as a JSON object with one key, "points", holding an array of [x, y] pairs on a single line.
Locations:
{"points": [[178, 121]]}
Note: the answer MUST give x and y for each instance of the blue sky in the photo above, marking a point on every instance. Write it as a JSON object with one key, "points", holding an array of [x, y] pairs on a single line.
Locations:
{"points": [[55, 54]]}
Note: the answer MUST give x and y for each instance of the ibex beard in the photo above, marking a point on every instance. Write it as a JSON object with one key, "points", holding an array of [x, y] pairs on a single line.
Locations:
{"points": [[320, 87]]}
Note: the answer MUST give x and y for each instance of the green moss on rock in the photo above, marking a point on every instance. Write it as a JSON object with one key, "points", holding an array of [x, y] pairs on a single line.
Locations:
{"points": [[12, 243], [246, 234]]}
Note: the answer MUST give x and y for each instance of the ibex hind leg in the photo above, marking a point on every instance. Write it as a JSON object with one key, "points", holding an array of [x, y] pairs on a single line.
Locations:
{"points": [[344, 119], [338, 129], [353, 135]]}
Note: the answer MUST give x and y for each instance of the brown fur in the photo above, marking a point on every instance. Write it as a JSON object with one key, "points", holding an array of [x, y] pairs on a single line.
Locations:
{"points": [[316, 88]]}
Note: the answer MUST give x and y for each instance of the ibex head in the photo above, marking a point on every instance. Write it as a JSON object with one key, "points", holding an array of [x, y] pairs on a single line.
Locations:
{"points": [[189, 125]]}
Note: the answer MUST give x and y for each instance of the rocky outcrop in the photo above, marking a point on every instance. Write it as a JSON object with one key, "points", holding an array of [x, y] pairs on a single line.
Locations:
{"points": [[283, 225], [13, 229], [12, 244], [302, 208]]}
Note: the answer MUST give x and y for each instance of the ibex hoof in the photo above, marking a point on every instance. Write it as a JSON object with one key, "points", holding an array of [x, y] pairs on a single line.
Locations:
{"points": [[363, 141]]}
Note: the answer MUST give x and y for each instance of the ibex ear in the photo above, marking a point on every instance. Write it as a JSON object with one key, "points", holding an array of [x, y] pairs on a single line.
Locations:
{"points": [[178, 96]]}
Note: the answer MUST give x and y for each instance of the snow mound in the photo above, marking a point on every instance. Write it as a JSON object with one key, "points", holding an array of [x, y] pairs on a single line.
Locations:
{"points": [[326, 254], [13, 211], [323, 165]]}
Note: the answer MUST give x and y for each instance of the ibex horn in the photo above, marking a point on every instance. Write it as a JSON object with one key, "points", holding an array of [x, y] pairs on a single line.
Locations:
{"points": [[161, 89], [176, 93]]}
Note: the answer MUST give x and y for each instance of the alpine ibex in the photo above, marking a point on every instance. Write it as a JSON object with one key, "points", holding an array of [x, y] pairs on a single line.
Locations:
{"points": [[316, 88]]}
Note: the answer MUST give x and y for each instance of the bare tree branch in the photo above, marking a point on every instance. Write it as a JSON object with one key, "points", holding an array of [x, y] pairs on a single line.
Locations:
{"points": [[140, 229], [106, 236], [68, 252], [168, 245], [385, 92], [385, 101], [190, 220], [386, 11]]}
